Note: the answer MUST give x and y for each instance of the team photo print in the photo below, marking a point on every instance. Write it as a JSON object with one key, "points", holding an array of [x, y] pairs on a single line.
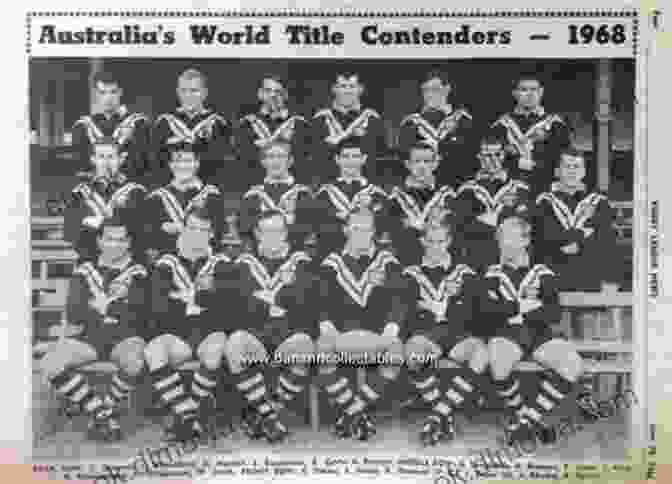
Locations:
{"points": [[332, 245]]}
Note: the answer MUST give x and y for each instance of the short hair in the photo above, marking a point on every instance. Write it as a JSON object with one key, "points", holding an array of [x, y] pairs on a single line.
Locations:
{"points": [[361, 210], [571, 151], [276, 143], [117, 220], [421, 146], [185, 147], [273, 77], [518, 221], [435, 74], [349, 143], [192, 73], [490, 140], [528, 76], [446, 221], [105, 77], [267, 215], [347, 74]]}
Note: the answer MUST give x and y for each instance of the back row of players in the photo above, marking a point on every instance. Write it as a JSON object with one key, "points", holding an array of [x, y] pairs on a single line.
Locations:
{"points": [[531, 136], [418, 270]]}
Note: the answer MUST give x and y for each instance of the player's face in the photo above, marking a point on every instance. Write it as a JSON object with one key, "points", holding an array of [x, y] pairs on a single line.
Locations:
{"points": [[113, 243], [512, 237], [109, 96], [436, 242], [351, 159], [571, 170], [347, 91], [422, 163], [491, 157], [191, 93], [196, 235], [272, 94], [528, 93], [360, 231], [435, 93], [276, 160], [184, 165], [107, 160], [271, 232]]}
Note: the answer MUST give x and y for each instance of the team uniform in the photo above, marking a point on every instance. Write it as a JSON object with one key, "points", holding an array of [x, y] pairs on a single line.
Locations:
{"points": [[531, 332], [96, 200], [129, 130], [363, 123], [585, 218], [258, 129], [448, 132], [360, 296], [171, 204], [335, 200], [496, 197], [411, 208], [206, 129], [293, 200], [284, 324], [112, 335], [443, 323], [180, 309], [539, 136]]}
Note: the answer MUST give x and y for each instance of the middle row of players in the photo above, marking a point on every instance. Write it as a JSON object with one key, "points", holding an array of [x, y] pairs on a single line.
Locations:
{"points": [[316, 220]]}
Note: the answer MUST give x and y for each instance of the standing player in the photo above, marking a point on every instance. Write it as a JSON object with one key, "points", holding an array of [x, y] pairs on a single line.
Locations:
{"points": [[128, 129], [363, 309], [279, 192], [274, 300], [334, 201], [445, 127], [575, 233], [272, 121], [106, 301], [166, 207], [96, 200], [184, 310], [521, 303], [416, 202], [193, 123], [347, 118], [484, 201], [446, 294], [532, 137]]}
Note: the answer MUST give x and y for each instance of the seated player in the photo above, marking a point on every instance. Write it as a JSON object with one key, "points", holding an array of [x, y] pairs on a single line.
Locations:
{"points": [[335, 200], [279, 192], [487, 199], [445, 293], [165, 207], [186, 318], [520, 302], [276, 324], [417, 201], [95, 200], [363, 307], [574, 229], [106, 302]]}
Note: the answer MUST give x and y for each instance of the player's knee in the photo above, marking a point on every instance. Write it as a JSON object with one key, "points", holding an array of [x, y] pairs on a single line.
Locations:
{"points": [[211, 356], [503, 355], [156, 353]]}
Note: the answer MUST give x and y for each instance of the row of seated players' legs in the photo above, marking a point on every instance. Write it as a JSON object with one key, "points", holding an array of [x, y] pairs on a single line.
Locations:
{"points": [[60, 368], [443, 392]]}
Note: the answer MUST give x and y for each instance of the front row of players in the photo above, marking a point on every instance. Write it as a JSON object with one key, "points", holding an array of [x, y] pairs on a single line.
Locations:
{"points": [[358, 300]]}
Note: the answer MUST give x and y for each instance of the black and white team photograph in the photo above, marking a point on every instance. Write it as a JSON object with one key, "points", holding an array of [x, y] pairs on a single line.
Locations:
{"points": [[400, 257]]}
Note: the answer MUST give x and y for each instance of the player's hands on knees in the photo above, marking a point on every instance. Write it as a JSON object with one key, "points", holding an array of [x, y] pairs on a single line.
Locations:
{"points": [[527, 305], [570, 249], [171, 227], [99, 304]]}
